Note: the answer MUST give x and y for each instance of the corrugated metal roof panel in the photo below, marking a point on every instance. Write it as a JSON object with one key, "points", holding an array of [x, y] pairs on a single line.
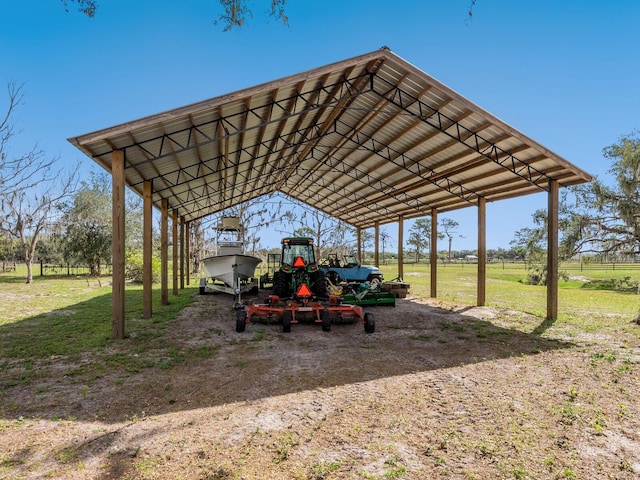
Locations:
{"points": [[366, 140]]}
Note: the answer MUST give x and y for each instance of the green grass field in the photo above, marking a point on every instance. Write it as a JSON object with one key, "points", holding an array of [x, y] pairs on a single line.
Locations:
{"points": [[588, 308], [61, 315]]}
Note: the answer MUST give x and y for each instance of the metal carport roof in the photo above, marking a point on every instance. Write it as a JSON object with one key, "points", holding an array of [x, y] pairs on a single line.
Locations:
{"points": [[366, 140]]}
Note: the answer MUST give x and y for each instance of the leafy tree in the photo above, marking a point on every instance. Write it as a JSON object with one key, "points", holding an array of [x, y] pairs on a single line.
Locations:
{"points": [[30, 188], [50, 248], [595, 217], [88, 238], [88, 219], [606, 218]]}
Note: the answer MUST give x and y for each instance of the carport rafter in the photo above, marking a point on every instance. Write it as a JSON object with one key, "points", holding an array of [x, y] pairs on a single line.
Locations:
{"points": [[454, 129], [183, 138], [408, 164]]}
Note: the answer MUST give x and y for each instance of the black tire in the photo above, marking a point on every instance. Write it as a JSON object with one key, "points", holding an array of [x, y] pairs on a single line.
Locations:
{"points": [[373, 278], [287, 317], [326, 321], [202, 292], [281, 285], [241, 320], [369, 323], [333, 277], [319, 284]]}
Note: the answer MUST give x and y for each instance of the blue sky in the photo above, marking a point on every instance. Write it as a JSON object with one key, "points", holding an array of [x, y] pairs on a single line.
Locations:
{"points": [[564, 73]]}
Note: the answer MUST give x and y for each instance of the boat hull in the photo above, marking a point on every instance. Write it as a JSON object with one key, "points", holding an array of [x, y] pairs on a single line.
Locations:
{"points": [[226, 268]]}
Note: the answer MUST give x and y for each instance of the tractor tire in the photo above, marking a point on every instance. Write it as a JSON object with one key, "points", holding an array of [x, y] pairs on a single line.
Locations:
{"points": [[319, 284], [369, 323], [326, 321], [333, 277], [281, 285], [287, 317], [241, 320]]}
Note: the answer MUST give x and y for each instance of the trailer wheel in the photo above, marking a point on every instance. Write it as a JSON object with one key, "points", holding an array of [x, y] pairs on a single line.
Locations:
{"points": [[326, 321], [369, 323], [287, 317], [241, 320]]}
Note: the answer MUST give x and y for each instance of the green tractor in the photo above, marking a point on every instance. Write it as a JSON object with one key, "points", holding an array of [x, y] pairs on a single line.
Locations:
{"points": [[298, 267]]}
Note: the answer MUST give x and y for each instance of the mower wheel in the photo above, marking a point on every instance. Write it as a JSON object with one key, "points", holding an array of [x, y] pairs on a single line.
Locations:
{"points": [[326, 321], [369, 323], [287, 317], [241, 320]]}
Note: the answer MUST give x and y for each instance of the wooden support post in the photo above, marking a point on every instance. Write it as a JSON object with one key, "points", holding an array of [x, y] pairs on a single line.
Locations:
{"points": [[147, 250], [174, 236], [164, 252], [359, 240], [400, 244], [482, 251], [552, 252], [181, 253], [117, 245], [376, 250], [187, 252], [433, 254]]}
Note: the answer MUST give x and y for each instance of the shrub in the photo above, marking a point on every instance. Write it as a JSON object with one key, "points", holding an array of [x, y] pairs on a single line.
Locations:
{"points": [[133, 268]]}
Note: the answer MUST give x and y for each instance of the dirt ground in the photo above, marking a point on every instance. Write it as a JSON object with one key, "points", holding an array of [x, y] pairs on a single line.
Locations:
{"points": [[438, 391]]}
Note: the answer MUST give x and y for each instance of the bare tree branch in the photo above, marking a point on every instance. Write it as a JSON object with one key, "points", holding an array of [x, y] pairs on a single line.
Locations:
{"points": [[29, 188]]}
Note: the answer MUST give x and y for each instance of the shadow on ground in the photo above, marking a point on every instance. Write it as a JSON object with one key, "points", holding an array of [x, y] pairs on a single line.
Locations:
{"points": [[198, 360]]}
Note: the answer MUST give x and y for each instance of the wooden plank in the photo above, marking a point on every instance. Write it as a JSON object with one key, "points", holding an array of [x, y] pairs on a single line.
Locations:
{"points": [[117, 245], [147, 250]]}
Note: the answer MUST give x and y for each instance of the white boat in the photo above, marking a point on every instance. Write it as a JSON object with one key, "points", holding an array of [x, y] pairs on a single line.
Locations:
{"points": [[230, 270]]}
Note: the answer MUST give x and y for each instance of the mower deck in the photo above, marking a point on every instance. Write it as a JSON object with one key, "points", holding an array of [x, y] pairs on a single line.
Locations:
{"points": [[303, 310]]}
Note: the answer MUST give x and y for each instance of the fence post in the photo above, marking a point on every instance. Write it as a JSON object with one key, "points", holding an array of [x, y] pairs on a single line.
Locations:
{"points": [[41, 269]]}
